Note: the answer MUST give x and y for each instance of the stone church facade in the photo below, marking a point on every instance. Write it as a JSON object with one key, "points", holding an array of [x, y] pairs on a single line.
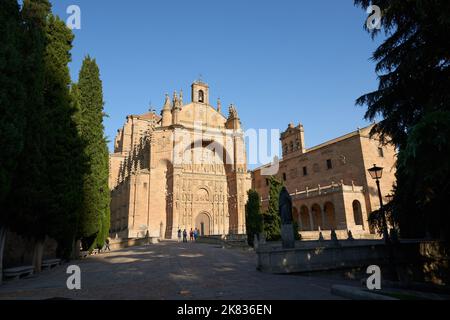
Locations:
{"points": [[183, 169], [329, 184]]}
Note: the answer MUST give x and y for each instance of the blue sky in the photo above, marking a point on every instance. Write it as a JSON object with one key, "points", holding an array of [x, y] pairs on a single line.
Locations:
{"points": [[277, 61]]}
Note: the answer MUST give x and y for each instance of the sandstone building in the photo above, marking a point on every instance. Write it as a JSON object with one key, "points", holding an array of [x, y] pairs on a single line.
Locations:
{"points": [[330, 184], [181, 170]]}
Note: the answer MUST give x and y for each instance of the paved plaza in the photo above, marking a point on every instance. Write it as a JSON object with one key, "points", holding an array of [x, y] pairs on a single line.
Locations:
{"points": [[171, 271]]}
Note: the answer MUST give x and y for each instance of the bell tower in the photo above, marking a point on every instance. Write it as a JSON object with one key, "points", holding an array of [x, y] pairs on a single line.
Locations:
{"points": [[293, 140], [200, 92]]}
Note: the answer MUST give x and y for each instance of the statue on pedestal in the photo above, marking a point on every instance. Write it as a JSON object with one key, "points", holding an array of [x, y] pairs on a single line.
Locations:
{"points": [[287, 228]]}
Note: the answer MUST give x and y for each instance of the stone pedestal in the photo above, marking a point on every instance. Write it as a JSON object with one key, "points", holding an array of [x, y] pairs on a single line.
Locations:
{"points": [[287, 236]]}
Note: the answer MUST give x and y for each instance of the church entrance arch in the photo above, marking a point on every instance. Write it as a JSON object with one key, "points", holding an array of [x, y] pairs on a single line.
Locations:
{"points": [[203, 224]]}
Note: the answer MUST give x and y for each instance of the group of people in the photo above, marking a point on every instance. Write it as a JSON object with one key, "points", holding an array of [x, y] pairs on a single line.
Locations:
{"points": [[193, 235]]}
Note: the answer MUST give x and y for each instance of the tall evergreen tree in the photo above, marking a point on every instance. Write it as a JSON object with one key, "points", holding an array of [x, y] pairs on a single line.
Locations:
{"points": [[413, 97], [253, 216], [412, 64], [95, 215], [12, 105], [47, 182], [64, 150], [12, 94], [31, 194], [272, 219], [28, 202], [423, 188]]}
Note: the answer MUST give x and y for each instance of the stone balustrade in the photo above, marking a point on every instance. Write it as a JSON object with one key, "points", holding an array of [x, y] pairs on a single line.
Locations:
{"points": [[324, 190]]}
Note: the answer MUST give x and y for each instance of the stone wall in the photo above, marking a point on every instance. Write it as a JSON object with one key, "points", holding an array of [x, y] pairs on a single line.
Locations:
{"points": [[118, 244], [423, 261], [19, 250]]}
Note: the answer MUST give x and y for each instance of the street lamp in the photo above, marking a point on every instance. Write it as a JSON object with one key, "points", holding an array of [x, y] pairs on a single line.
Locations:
{"points": [[377, 173]]}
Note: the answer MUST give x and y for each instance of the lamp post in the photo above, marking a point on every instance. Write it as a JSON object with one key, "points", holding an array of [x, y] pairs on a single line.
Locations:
{"points": [[377, 173]]}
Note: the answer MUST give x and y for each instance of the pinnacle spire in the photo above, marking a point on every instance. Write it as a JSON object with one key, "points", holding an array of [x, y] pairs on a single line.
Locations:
{"points": [[233, 112], [167, 104], [219, 105]]}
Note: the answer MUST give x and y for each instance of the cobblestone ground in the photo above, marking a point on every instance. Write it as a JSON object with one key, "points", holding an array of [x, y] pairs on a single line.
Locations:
{"points": [[170, 271]]}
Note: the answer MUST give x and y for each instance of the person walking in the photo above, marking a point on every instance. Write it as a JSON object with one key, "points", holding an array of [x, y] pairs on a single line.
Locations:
{"points": [[185, 236], [107, 248], [179, 235], [191, 234], [195, 234]]}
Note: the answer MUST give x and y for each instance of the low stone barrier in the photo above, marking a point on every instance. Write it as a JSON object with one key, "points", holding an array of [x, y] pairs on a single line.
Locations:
{"points": [[320, 258], [117, 244], [422, 260], [226, 241]]}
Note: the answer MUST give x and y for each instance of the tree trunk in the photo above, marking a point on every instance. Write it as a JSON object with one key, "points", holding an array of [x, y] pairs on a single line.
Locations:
{"points": [[2, 247], [37, 255], [76, 250]]}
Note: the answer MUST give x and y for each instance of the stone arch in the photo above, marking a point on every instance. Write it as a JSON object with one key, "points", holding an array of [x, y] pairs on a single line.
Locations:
{"points": [[317, 217], [330, 216], [305, 219], [201, 96], [220, 151], [357, 213], [203, 223], [202, 195]]}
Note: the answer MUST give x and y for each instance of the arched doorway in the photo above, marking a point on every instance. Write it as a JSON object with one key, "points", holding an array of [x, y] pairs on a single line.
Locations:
{"points": [[357, 213], [203, 224], [304, 217], [317, 217], [330, 216]]}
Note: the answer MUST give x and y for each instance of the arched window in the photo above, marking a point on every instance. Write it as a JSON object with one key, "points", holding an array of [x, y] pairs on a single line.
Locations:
{"points": [[201, 96], [357, 213], [297, 144]]}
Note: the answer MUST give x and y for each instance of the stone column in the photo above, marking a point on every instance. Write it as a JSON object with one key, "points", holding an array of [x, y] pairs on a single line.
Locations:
{"points": [[176, 193], [311, 221], [324, 225]]}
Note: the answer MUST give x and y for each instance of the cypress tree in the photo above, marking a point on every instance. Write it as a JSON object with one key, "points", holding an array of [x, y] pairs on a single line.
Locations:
{"points": [[12, 94], [31, 194], [94, 221], [64, 150], [29, 200], [253, 216], [12, 103], [47, 182], [272, 219]]}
